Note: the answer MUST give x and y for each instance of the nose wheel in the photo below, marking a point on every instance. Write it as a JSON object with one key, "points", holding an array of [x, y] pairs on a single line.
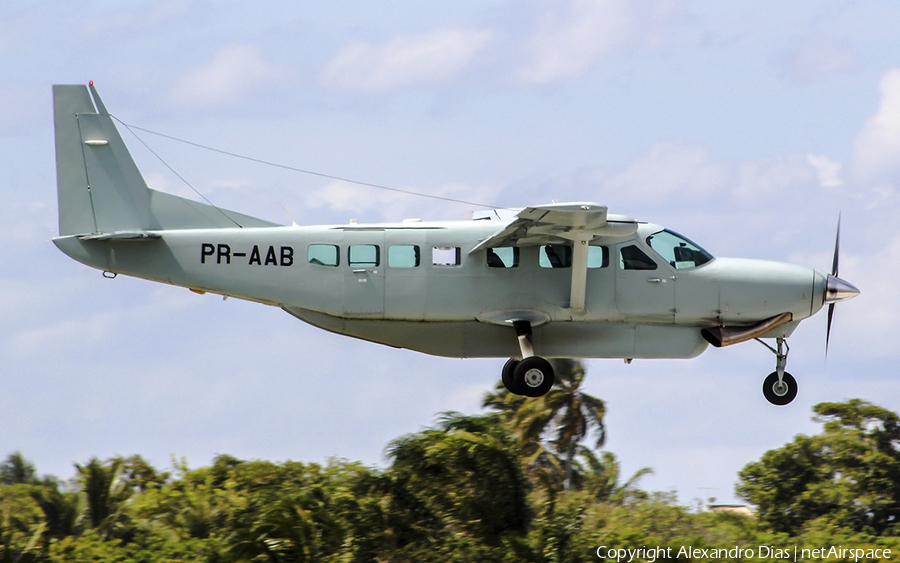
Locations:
{"points": [[779, 387], [780, 392]]}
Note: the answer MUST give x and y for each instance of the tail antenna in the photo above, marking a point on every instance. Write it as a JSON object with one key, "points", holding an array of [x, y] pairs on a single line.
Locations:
{"points": [[293, 222]]}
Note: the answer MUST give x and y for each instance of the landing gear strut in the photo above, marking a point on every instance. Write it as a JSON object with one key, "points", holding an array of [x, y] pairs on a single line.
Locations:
{"points": [[780, 387], [532, 376]]}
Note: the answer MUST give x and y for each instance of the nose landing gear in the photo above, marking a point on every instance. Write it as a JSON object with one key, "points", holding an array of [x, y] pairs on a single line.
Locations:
{"points": [[780, 387]]}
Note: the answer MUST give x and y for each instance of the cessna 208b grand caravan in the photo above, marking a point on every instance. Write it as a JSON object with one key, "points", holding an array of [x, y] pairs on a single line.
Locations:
{"points": [[558, 280]]}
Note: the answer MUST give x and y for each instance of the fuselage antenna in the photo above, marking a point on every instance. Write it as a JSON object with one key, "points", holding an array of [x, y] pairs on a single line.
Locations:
{"points": [[293, 222]]}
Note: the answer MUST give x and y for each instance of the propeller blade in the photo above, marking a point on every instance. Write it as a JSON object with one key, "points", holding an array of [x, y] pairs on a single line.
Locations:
{"points": [[834, 273], [837, 248]]}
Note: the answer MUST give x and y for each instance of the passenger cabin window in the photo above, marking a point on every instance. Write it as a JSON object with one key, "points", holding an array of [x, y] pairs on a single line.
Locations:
{"points": [[403, 256], [503, 257], [363, 256], [446, 256], [598, 257], [678, 251], [555, 256], [633, 258], [323, 255]]}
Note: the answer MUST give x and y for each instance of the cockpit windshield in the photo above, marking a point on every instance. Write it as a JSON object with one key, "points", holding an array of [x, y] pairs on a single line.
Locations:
{"points": [[678, 251]]}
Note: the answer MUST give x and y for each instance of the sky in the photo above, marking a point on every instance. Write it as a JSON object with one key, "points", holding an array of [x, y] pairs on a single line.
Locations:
{"points": [[746, 126]]}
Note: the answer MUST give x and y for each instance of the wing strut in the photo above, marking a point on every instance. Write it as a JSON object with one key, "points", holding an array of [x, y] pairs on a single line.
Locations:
{"points": [[579, 272]]}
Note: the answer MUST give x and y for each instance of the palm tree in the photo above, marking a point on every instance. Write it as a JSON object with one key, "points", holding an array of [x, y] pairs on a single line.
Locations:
{"points": [[466, 472], [566, 412], [601, 477], [289, 526], [17, 470], [104, 489]]}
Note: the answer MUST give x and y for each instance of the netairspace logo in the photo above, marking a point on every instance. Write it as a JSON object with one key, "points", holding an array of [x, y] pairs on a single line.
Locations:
{"points": [[763, 552]]}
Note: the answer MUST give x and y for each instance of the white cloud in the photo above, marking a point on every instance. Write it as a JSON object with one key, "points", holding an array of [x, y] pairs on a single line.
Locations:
{"points": [[405, 61], [130, 20], [88, 326], [829, 171], [369, 204], [815, 56], [876, 150], [669, 169], [870, 322], [234, 73], [572, 35], [783, 177]]}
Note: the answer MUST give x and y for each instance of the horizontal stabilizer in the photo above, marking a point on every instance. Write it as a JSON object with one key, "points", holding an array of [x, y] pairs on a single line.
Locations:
{"points": [[121, 235]]}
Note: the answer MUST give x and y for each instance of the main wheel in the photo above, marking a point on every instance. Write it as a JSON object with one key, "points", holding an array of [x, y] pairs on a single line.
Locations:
{"points": [[780, 394], [533, 377], [508, 377]]}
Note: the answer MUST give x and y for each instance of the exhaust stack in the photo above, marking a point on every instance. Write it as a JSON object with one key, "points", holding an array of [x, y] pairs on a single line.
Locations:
{"points": [[726, 336]]}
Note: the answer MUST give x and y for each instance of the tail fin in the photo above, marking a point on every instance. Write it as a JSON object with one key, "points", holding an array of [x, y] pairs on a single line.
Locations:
{"points": [[99, 186]]}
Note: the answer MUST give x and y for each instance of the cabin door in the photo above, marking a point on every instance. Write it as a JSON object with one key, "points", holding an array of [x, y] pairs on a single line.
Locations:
{"points": [[364, 275], [645, 288]]}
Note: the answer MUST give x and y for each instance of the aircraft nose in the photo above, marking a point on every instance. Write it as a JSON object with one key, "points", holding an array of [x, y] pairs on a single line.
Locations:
{"points": [[837, 289]]}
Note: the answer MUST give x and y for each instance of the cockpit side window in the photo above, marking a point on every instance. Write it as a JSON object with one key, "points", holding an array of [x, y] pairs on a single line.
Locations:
{"points": [[678, 251], [598, 257], [633, 258]]}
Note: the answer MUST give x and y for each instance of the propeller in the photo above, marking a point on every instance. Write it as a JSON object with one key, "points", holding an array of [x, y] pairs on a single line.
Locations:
{"points": [[834, 273], [836, 289]]}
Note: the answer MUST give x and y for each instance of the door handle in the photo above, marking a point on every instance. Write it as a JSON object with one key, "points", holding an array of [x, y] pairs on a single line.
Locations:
{"points": [[656, 280]]}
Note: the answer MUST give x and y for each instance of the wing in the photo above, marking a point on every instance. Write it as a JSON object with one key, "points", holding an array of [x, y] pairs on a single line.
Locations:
{"points": [[563, 223], [559, 223]]}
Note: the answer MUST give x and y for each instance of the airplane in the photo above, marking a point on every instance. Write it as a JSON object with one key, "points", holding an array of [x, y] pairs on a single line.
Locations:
{"points": [[562, 280]]}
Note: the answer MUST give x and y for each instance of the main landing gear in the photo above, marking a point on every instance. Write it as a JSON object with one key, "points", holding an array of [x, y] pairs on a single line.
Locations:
{"points": [[532, 376], [780, 387]]}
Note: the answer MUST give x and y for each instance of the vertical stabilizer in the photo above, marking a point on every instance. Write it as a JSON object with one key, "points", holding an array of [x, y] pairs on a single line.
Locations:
{"points": [[99, 186]]}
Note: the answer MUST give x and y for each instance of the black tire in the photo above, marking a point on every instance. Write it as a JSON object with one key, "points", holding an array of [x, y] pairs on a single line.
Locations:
{"points": [[777, 396], [533, 377], [508, 377]]}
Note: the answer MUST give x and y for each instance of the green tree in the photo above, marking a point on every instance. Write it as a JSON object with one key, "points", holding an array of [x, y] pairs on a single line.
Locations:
{"points": [[565, 415], [463, 474], [17, 470], [60, 509], [295, 525], [600, 478], [848, 475], [103, 489]]}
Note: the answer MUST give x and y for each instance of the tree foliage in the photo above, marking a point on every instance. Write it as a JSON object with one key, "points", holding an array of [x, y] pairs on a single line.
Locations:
{"points": [[849, 475], [465, 489], [17, 470]]}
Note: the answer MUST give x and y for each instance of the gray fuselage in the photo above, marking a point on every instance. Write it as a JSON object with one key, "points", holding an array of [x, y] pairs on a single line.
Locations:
{"points": [[400, 284]]}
